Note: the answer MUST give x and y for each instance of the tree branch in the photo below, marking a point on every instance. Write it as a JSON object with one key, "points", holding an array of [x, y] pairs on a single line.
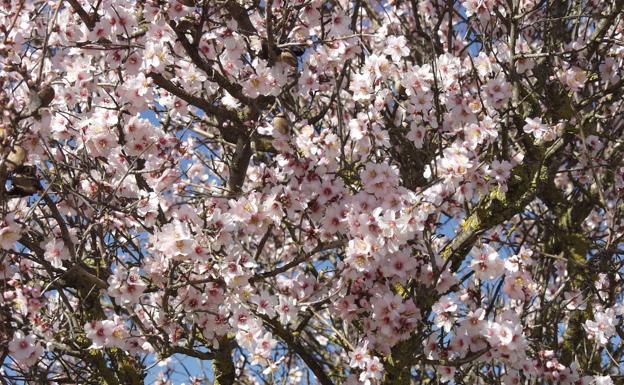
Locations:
{"points": [[84, 16], [301, 351]]}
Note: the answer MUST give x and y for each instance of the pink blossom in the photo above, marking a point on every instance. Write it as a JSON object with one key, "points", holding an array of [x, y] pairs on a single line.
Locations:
{"points": [[602, 327], [10, 232], [396, 47], [575, 78], [24, 348], [535, 127], [486, 263]]}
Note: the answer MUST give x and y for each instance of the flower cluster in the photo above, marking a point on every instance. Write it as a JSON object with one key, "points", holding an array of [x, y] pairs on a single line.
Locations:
{"points": [[302, 192]]}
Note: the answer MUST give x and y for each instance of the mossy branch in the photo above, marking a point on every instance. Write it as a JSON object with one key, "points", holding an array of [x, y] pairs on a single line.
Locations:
{"points": [[496, 208]]}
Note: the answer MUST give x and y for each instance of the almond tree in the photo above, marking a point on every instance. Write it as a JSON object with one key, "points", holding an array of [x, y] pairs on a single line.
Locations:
{"points": [[311, 191]]}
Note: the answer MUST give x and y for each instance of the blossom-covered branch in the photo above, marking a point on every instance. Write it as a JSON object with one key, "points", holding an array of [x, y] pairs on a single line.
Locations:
{"points": [[375, 192]]}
